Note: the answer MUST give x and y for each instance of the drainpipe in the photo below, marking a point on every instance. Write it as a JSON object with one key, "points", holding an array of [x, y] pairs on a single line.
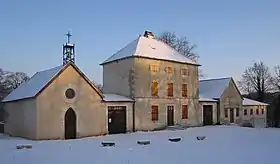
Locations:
{"points": [[133, 116]]}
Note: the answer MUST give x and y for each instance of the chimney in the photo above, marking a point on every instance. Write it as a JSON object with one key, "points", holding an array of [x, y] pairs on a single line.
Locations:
{"points": [[149, 34]]}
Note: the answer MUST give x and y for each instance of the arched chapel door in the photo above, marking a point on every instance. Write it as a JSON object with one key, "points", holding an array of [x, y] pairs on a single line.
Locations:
{"points": [[70, 128]]}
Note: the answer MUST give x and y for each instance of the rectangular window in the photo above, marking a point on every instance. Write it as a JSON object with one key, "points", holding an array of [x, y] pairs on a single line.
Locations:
{"points": [[226, 113], [257, 111], [170, 89], [154, 112], [251, 111], [245, 112], [262, 110], [184, 90], [154, 88], [184, 72], [169, 69], [185, 112], [154, 68], [237, 112]]}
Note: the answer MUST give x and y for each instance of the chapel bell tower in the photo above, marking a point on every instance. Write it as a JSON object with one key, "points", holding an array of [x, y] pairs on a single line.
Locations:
{"points": [[68, 50]]}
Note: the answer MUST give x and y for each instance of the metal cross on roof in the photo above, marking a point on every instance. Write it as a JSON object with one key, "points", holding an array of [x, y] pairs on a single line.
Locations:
{"points": [[68, 36]]}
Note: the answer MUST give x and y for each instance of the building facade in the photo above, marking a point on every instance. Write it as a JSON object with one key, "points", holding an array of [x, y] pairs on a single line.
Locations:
{"points": [[147, 85], [255, 113], [164, 87]]}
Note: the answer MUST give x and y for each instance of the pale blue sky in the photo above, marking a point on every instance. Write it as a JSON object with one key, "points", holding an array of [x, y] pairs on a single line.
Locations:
{"points": [[230, 35]]}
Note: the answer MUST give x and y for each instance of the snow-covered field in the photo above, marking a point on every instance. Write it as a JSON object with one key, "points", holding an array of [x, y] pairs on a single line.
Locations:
{"points": [[223, 145]]}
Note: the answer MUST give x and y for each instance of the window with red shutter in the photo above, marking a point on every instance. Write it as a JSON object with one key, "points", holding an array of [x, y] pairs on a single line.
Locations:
{"points": [[170, 89], [185, 112], [154, 112], [184, 90], [226, 113]]}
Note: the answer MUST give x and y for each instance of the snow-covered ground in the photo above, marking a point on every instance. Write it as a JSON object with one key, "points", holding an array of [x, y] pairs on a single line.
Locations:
{"points": [[223, 145]]}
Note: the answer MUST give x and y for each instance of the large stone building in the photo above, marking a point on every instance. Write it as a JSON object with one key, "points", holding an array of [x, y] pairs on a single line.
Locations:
{"points": [[163, 83], [147, 85]]}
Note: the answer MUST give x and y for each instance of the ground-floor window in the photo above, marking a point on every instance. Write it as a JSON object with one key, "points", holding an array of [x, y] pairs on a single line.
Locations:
{"points": [[185, 112], [237, 112], [262, 111], [257, 111], [226, 113], [251, 111], [154, 112], [245, 112]]}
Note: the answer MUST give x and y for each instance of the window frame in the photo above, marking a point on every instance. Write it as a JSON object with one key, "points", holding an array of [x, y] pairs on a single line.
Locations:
{"points": [[245, 112], [169, 70], [154, 89], [226, 113], [184, 70], [251, 112], [154, 67], [154, 113], [185, 111], [184, 90], [262, 111], [170, 89], [237, 114]]}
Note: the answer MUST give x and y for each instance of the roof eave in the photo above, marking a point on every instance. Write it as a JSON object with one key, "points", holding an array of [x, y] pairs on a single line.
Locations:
{"points": [[144, 57], [21, 99]]}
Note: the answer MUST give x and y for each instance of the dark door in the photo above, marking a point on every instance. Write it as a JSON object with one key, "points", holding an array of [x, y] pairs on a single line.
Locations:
{"points": [[170, 115], [116, 119], [231, 115], [207, 115], [70, 124]]}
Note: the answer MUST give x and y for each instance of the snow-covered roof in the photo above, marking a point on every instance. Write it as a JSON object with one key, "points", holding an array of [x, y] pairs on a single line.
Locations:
{"points": [[39, 80], [213, 88], [149, 48], [33, 85], [202, 99], [116, 98], [250, 102]]}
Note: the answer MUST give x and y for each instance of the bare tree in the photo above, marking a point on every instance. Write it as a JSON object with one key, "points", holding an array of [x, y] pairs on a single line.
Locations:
{"points": [[10, 81], [99, 86], [14, 79], [256, 79], [180, 44], [275, 80]]}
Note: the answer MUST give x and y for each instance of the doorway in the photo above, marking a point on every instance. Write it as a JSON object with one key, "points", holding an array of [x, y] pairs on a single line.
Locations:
{"points": [[207, 114], [70, 124], [116, 119], [170, 115], [231, 115]]}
